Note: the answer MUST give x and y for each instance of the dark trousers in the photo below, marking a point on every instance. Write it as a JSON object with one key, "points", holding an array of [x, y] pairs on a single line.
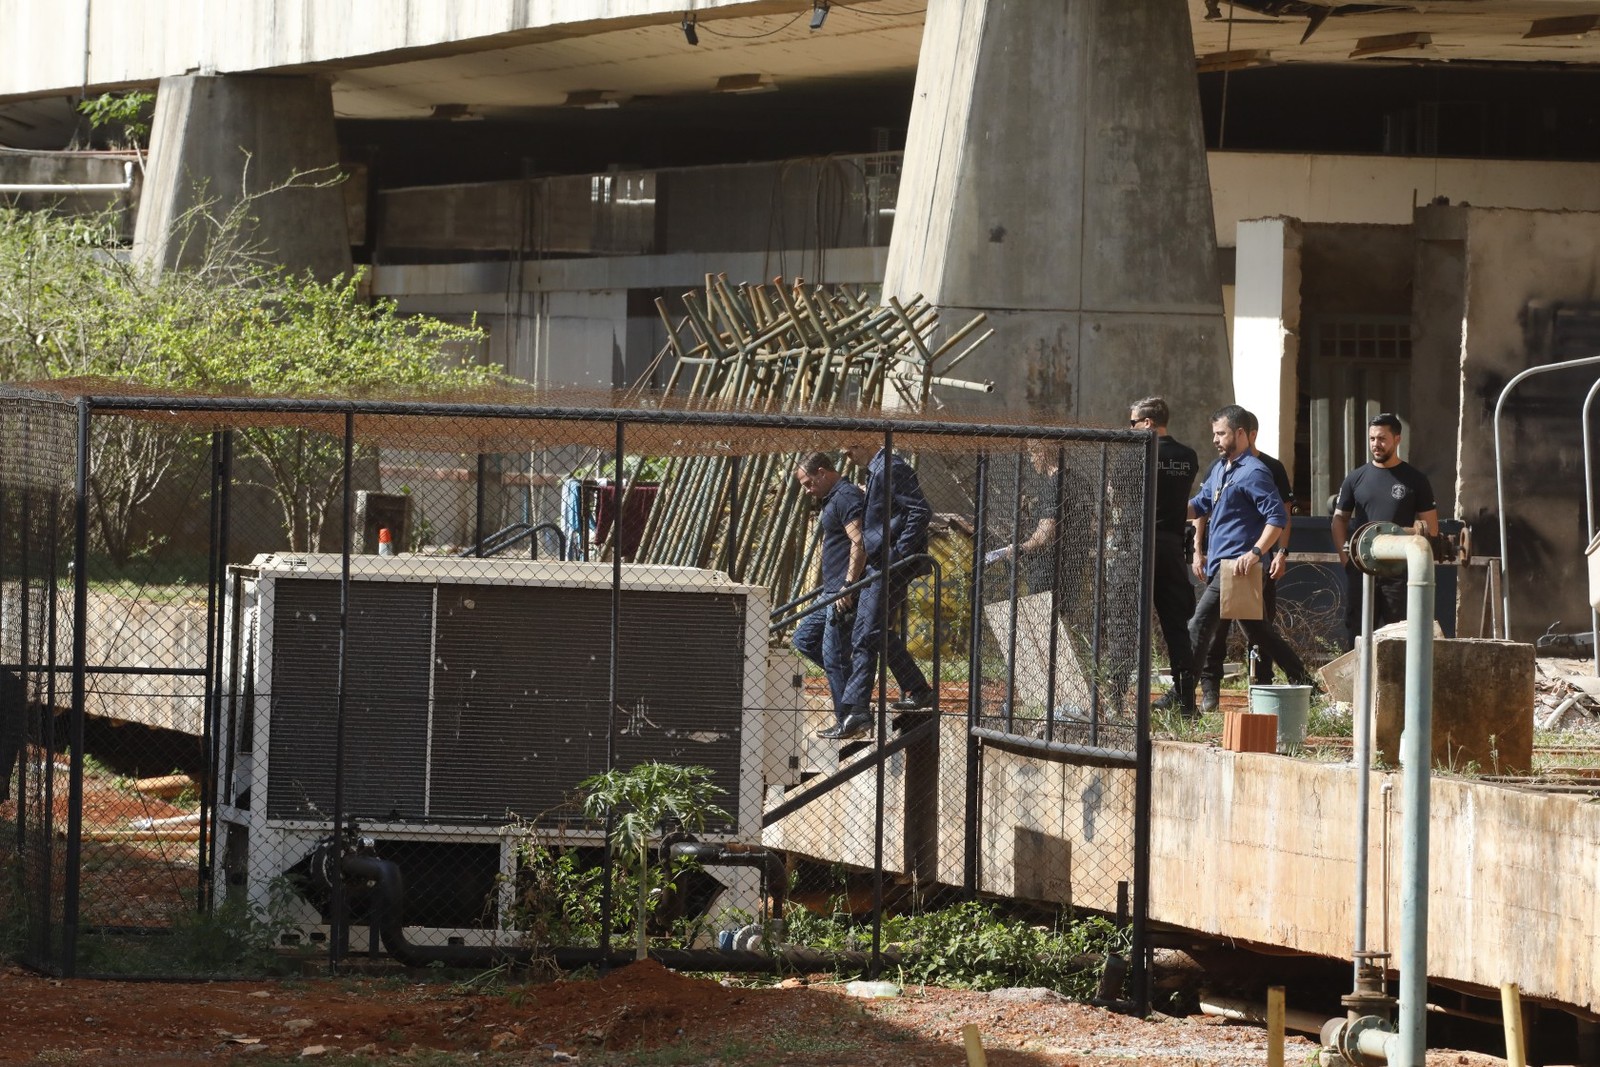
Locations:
{"points": [[1206, 622], [1261, 670], [1174, 600], [823, 637], [868, 637], [1388, 602]]}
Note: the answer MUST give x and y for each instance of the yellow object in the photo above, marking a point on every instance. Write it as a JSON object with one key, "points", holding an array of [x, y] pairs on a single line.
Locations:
{"points": [[953, 550], [974, 1043], [1275, 1014], [1511, 1011]]}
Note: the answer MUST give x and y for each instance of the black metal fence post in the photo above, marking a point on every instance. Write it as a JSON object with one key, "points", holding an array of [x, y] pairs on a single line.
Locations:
{"points": [[80, 611], [340, 925], [885, 558], [614, 685], [975, 679], [216, 578], [1144, 777]]}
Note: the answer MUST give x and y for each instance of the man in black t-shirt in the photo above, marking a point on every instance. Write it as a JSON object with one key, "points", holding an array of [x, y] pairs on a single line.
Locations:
{"points": [[1172, 590], [1388, 490]]}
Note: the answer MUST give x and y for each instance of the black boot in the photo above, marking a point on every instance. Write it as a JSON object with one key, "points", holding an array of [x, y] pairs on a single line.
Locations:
{"points": [[1210, 694], [1180, 696]]}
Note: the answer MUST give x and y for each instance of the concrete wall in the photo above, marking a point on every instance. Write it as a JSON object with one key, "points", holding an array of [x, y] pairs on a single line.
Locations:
{"points": [[1437, 313], [1386, 189], [1262, 848], [1513, 257], [44, 169]]}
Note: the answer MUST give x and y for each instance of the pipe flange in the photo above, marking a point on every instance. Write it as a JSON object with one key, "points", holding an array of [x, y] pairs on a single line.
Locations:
{"points": [[1361, 550], [1349, 1043]]}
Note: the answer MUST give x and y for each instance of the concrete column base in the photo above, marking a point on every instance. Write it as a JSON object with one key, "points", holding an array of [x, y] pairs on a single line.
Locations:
{"points": [[1482, 704], [223, 140]]}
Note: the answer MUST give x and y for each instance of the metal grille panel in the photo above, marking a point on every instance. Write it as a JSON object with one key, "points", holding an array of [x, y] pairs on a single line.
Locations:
{"points": [[386, 705]]}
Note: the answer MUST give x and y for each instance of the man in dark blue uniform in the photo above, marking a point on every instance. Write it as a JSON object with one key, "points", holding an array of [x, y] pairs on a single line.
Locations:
{"points": [[1173, 592], [1387, 489], [823, 637], [1238, 516], [908, 515]]}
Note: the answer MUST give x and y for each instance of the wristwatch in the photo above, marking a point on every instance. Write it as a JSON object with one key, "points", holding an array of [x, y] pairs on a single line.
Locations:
{"points": [[1257, 550]]}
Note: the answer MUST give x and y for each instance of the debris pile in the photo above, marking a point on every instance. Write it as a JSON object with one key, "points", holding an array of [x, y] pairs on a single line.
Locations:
{"points": [[793, 348], [1564, 698]]}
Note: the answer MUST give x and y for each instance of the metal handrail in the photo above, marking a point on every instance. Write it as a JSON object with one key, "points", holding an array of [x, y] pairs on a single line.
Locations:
{"points": [[513, 535], [860, 583], [1499, 480]]}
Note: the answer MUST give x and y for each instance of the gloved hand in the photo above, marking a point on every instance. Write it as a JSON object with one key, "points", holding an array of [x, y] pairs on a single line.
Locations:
{"points": [[996, 555]]}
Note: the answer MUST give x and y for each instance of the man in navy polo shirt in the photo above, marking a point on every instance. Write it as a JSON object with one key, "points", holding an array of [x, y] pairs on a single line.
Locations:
{"points": [[891, 484], [823, 637], [1238, 516]]}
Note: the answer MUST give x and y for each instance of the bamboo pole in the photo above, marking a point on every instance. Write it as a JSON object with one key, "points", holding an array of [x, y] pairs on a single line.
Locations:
{"points": [[1511, 1012], [1275, 1016]]}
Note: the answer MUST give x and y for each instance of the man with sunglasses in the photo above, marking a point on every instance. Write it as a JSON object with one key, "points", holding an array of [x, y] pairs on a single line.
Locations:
{"points": [[1172, 591], [1387, 489]]}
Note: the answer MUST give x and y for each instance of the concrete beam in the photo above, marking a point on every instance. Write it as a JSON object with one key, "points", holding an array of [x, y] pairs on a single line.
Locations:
{"points": [[1055, 177], [69, 48]]}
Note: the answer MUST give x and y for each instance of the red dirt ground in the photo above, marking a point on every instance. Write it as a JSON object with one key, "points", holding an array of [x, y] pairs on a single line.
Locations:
{"points": [[639, 1013]]}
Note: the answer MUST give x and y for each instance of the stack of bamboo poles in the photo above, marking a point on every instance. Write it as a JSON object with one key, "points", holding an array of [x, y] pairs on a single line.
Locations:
{"points": [[792, 348]]}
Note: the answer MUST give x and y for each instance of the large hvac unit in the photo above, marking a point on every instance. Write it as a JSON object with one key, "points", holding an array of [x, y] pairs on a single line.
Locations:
{"points": [[477, 696]]}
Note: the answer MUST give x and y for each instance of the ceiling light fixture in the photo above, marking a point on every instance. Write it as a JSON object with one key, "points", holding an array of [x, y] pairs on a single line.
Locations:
{"points": [[690, 34], [819, 13], [745, 83], [1390, 42], [1564, 26]]}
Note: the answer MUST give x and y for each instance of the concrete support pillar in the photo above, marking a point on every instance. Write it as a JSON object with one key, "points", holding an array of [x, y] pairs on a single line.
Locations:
{"points": [[1055, 177], [222, 139], [1266, 329]]}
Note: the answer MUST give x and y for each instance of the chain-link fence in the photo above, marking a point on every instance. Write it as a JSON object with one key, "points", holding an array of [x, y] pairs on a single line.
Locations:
{"points": [[385, 678]]}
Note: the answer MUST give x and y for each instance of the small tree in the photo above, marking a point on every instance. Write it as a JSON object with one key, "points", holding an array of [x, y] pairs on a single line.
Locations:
{"points": [[231, 323], [640, 800]]}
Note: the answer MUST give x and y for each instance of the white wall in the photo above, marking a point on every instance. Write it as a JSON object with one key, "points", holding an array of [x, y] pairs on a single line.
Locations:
{"points": [[1266, 328]]}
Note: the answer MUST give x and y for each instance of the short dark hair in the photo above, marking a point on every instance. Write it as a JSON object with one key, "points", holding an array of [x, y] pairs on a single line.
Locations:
{"points": [[817, 461], [1153, 408], [1237, 417], [1388, 420], [1251, 423]]}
